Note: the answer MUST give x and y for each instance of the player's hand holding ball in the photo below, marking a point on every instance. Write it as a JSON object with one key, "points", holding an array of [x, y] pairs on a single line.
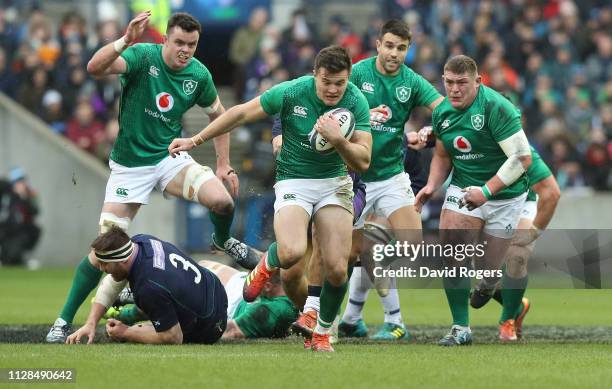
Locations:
{"points": [[331, 128]]}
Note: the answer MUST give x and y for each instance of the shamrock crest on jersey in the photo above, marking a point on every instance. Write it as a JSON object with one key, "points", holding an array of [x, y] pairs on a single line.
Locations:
{"points": [[477, 121], [403, 93], [189, 86]]}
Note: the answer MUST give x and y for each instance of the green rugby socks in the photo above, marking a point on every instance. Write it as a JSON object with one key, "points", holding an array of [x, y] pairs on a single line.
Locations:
{"points": [[512, 292], [331, 300], [458, 293], [222, 225], [86, 278]]}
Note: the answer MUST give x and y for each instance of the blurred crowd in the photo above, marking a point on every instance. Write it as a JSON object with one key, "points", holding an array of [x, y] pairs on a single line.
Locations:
{"points": [[44, 69], [553, 58]]}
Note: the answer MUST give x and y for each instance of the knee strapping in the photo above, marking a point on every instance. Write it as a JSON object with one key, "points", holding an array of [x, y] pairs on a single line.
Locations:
{"points": [[107, 220], [195, 176]]}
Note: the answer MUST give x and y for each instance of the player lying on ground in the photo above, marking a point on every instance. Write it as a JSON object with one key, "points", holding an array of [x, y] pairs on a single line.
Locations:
{"points": [[269, 316], [184, 302], [159, 84], [309, 184], [537, 212], [480, 137]]}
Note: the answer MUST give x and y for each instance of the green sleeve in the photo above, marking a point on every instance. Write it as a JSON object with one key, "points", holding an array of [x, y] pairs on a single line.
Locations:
{"points": [[426, 93], [435, 120], [272, 99], [208, 92], [135, 58], [538, 170], [504, 119], [361, 112]]}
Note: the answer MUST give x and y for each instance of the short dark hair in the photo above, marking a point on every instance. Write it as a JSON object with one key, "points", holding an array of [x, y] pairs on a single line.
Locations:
{"points": [[112, 239], [396, 27], [461, 64], [333, 58], [185, 22]]}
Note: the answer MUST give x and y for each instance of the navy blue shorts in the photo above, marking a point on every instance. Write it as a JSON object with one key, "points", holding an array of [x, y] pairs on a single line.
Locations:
{"points": [[210, 329]]}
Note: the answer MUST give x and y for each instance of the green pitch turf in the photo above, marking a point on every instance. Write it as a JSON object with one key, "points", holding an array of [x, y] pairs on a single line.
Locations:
{"points": [[561, 347]]}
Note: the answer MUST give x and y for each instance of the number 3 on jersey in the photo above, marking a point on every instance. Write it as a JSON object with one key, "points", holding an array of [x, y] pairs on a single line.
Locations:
{"points": [[174, 258]]}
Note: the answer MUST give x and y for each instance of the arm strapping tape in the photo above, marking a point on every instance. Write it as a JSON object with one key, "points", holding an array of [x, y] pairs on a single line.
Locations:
{"points": [[514, 147], [109, 290]]}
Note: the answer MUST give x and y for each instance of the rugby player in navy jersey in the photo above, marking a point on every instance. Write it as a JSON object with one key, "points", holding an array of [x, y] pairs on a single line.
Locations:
{"points": [[185, 302]]}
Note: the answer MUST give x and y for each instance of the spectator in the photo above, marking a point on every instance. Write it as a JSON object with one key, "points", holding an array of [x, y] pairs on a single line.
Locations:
{"points": [[53, 111], [244, 47], [84, 129], [8, 81], [21, 233]]}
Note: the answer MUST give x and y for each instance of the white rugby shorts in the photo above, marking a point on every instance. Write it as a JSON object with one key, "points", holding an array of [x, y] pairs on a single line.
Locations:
{"points": [[135, 184], [500, 216], [387, 196], [314, 194]]}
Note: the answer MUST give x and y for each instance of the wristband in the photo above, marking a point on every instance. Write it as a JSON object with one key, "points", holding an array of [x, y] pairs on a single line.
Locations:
{"points": [[486, 192], [199, 140], [120, 45]]}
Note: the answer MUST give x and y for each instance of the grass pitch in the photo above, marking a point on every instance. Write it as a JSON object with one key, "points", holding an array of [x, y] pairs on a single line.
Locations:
{"points": [[568, 344]]}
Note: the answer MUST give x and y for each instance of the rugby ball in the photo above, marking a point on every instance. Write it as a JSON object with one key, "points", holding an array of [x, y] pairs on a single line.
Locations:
{"points": [[345, 119]]}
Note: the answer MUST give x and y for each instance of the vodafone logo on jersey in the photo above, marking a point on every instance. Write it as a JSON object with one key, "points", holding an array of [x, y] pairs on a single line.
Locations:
{"points": [[462, 144], [164, 101]]}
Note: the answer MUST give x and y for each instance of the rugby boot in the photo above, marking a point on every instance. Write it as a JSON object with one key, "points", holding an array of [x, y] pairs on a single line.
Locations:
{"points": [[305, 324], [243, 254], [58, 332], [320, 343], [507, 331], [255, 281], [457, 336], [357, 330], [391, 331], [480, 296], [518, 320]]}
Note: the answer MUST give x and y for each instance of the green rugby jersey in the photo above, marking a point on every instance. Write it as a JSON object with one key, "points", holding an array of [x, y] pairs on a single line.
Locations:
{"points": [[299, 107], [266, 317], [401, 93], [153, 101], [536, 173], [471, 137]]}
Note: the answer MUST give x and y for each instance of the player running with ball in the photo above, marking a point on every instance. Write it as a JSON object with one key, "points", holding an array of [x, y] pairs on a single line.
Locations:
{"points": [[309, 184]]}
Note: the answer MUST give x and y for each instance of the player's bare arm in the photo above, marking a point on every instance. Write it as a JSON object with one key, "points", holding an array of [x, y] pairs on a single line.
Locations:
{"points": [[143, 333], [516, 147], [224, 172], [107, 60], [356, 153], [438, 173], [237, 115], [89, 328], [277, 143], [232, 331]]}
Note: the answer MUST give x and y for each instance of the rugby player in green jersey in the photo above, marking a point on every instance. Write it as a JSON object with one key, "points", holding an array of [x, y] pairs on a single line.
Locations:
{"points": [[309, 184], [159, 84], [480, 137], [542, 199], [393, 90]]}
